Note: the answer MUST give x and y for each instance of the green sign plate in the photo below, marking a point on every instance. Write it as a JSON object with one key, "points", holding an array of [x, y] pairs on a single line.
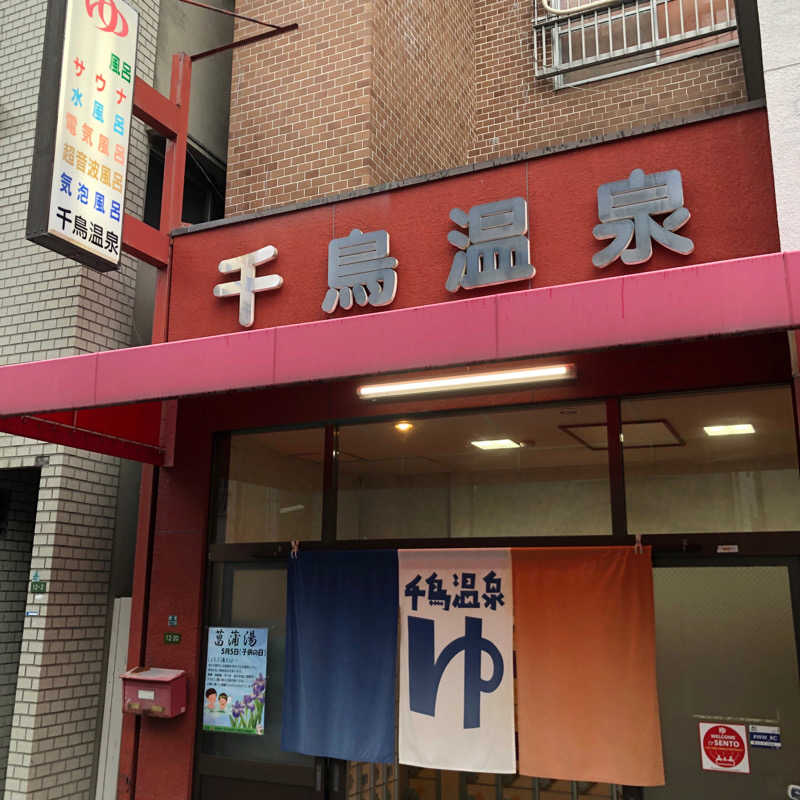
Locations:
{"points": [[38, 587], [172, 638]]}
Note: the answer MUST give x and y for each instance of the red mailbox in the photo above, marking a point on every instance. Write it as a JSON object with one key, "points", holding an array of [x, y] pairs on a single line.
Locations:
{"points": [[154, 691]]}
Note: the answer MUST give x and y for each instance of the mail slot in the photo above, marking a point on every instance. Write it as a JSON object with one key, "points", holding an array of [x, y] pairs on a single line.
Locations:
{"points": [[154, 691]]}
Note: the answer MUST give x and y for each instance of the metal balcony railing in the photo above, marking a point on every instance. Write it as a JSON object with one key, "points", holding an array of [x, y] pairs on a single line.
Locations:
{"points": [[577, 37]]}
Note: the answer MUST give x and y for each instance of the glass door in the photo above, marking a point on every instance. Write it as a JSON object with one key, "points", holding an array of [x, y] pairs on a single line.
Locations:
{"points": [[393, 782], [727, 659], [244, 594]]}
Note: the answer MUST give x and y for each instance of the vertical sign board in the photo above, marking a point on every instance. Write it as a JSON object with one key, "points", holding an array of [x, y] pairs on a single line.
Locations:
{"points": [[76, 202]]}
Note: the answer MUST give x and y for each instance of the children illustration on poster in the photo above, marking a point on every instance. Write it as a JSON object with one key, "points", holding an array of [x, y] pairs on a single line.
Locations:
{"points": [[236, 683]]}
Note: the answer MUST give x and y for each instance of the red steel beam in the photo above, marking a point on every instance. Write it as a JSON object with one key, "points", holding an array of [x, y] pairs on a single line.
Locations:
{"points": [[249, 40], [229, 13], [171, 120], [145, 242], [155, 110]]}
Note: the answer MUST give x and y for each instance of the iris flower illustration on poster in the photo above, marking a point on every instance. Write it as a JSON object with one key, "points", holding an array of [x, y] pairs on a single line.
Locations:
{"points": [[234, 696]]}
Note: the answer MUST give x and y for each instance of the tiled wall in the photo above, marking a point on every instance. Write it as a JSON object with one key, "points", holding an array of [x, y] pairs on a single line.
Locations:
{"points": [[51, 307], [20, 487]]}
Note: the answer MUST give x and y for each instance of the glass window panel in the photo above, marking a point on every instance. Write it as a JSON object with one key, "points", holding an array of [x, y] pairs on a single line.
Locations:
{"points": [[242, 594], [433, 482], [273, 490], [702, 483]]}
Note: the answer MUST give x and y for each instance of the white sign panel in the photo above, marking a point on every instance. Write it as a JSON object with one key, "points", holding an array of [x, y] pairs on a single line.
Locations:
{"points": [[456, 660], [723, 748], [767, 736], [95, 104]]}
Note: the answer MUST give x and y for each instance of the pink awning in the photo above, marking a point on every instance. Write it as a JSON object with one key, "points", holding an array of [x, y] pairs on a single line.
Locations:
{"points": [[759, 293]]}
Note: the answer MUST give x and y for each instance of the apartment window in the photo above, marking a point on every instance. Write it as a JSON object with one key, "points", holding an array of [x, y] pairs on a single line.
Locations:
{"points": [[576, 41]]}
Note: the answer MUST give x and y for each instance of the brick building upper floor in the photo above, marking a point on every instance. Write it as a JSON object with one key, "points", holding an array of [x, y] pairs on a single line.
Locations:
{"points": [[367, 92]]}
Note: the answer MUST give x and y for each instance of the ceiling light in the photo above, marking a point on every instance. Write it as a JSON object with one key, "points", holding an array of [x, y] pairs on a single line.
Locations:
{"points": [[404, 426], [467, 381], [728, 430], [497, 444]]}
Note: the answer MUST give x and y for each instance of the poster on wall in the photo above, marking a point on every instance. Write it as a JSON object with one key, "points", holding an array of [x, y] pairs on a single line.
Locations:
{"points": [[723, 748], [456, 660], [76, 202], [234, 694]]}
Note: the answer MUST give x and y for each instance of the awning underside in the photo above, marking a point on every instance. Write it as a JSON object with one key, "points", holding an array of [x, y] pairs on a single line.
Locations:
{"points": [[130, 431]]}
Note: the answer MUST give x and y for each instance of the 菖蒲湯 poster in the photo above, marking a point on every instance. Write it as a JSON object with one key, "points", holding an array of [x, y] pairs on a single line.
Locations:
{"points": [[234, 695]]}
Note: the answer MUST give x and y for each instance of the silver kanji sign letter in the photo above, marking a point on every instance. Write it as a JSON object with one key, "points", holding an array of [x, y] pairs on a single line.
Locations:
{"points": [[361, 269], [247, 285], [626, 210], [495, 249]]}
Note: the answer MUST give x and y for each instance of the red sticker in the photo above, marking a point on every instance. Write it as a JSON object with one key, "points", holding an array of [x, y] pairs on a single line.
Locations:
{"points": [[724, 747]]}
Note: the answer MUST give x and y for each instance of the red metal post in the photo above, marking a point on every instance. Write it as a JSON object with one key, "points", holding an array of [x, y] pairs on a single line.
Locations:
{"points": [[175, 158], [129, 741], [156, 111], [172, 119], [172, 194]]}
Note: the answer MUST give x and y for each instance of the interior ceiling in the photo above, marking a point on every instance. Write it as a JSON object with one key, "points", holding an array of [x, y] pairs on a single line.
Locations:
{"points": [[644, 433], [442, 444]]}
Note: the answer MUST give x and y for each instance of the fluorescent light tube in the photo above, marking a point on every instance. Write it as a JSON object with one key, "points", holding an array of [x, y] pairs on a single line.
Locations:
{"points": [[496, 444], [728, 430], [467, 381]]}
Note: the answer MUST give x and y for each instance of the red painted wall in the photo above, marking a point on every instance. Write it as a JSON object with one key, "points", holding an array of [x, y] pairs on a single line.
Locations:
{"points": [[727, 182]]}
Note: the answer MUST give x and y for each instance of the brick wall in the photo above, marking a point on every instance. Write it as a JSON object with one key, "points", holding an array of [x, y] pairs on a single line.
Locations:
{"points": [[53, 307], [16, 541], [516, 112], [300, 103], [422, 87], [336, 105], [371, 91], [59, 688]]}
